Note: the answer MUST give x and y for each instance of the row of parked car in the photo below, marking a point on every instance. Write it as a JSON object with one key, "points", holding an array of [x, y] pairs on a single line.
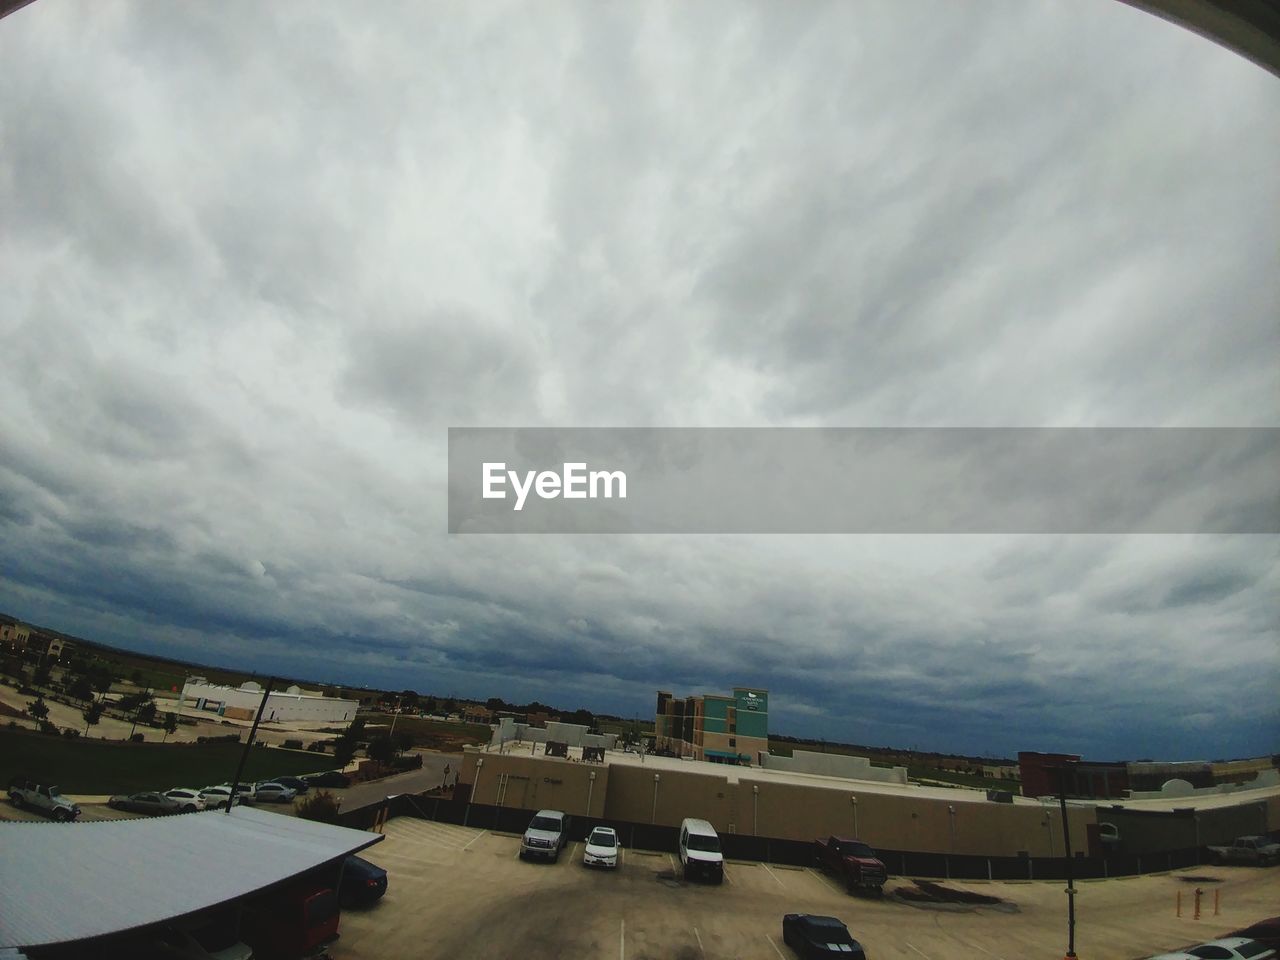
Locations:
{"points": [[191, 800], [31, 795], [548, 834]]}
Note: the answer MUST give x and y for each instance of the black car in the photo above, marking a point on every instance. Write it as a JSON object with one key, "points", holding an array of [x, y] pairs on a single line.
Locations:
{"points": [[296, 784], [362, 883], [824, 937], [330, 778]]}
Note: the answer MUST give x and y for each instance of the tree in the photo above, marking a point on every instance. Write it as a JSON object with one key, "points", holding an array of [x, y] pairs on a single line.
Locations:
{"points": [[403, 741], [170, 725], [344, 750], [41, 676], [495, 704], [92, 714], [37, 709], [101, 680], [381, 749], [136, 676], [81, 688]]}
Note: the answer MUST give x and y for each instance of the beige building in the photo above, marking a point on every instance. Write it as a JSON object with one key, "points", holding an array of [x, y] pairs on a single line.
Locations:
{"points": [[804, 807]]}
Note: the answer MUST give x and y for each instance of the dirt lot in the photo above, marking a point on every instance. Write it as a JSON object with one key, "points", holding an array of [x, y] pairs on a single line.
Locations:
{"points": [[458, 892]]}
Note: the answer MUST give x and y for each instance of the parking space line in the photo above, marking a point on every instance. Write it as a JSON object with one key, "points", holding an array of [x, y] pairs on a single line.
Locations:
{"points": [[821, 876], [978, 946], [672, 860], [775, 946], [701, 949], [475, 838], [622, 939], [772, 874], [916, 949], [725, 873]]}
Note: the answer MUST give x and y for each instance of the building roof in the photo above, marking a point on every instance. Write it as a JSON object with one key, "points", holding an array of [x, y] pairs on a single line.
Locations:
{"points": [[61, 882]]}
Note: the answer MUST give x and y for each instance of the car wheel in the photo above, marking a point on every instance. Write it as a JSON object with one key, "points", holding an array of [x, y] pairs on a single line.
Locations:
{"points": [[189, 808], [61, 815], [17, 802]]}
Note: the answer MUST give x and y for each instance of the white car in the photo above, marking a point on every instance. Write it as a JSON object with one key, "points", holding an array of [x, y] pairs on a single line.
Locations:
{"points": [[217, 797], [1228, 948], [272, 792], [189, 800], [602, 848]]}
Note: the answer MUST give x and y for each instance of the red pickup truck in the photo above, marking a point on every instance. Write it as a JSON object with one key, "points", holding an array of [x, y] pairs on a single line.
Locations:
{"points": [[854, 862], [298, 921]]}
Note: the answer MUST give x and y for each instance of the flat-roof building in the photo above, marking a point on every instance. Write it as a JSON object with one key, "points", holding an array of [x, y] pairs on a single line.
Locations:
{"points": [[241, 703], [732, 729]]}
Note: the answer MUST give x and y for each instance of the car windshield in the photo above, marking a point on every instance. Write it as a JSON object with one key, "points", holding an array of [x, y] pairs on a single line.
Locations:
{"points": [[1252, 949], [854, 849], [603, 838], [545, 823], [707, 844]]}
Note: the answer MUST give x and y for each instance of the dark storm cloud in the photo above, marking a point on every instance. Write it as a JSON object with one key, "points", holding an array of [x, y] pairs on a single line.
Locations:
{"points": [[257, 259]]}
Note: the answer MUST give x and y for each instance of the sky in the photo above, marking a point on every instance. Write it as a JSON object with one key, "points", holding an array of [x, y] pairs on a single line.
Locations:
{"points": [[256, 259]]}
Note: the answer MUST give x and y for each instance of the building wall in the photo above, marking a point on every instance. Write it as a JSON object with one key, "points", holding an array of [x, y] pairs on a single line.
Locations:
{"points": [[16, 636], [716, 727], [836, 765], [769, 808], [285, 707]]}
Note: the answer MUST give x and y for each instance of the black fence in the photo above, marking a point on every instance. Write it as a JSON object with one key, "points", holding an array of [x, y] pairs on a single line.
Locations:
{"points": [[800, 853]]}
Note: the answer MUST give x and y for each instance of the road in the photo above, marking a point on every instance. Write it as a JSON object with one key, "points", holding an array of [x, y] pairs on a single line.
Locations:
{"points": [[414, 781]]}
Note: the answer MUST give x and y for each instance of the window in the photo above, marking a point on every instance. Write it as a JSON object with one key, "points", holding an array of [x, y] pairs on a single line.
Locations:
{"points": [[733, 742]]}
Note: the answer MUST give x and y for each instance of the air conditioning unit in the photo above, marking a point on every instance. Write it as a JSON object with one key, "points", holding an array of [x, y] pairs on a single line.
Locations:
{"points": [[1000, 796]]}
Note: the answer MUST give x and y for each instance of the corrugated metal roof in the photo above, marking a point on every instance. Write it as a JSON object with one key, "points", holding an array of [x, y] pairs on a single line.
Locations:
{"points": [[69, 881]]}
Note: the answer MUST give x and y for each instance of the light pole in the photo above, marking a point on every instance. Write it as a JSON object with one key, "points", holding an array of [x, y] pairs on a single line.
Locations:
{"points": [[475, 784], [853, 802], [951, 815], [755, 809], [1066, 853], [591, 786], [653, 817]]}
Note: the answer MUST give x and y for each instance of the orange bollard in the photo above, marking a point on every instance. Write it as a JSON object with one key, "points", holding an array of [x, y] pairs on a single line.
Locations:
{"points": [[1177, 908], [1199, 892]]}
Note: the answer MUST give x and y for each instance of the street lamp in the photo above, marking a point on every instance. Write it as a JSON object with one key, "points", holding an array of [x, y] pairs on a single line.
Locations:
{"points": [[475, 784], [853, 800], [755, 809], [951, 815], [653, 817], [591, 786]]}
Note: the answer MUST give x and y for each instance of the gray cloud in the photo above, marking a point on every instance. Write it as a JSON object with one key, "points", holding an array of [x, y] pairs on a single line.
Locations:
{"points": [[257, 261]]}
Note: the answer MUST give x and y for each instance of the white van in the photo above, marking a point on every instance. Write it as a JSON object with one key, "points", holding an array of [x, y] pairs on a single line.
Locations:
{"points": [[700, 854]]}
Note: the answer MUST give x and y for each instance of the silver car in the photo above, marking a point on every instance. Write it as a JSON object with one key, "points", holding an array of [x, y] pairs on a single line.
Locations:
{"points": [[153, 803], [272, 792]]}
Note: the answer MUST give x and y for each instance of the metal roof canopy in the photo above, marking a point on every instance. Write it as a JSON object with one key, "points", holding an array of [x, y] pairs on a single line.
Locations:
{"points": [[61, 882]]}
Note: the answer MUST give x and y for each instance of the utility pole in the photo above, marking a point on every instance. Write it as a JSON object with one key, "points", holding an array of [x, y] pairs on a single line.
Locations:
{"points": [[1066, 847], [244, 756]]}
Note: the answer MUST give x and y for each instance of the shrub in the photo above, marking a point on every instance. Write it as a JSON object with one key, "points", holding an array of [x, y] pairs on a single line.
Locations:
{"points": [[317, 747], [224, 738], [292, 745], [321, 807], [70, 733], [50, 728], [410, 761], [137, 738]]}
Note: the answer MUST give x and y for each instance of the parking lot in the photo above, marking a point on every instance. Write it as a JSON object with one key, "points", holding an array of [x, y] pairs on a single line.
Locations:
{"points": [[463, 892]]}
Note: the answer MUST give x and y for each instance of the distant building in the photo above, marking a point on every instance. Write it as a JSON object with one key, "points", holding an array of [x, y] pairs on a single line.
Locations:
{"points": [[14, 636], [241, 703], [1048, 774], [732, 729]]}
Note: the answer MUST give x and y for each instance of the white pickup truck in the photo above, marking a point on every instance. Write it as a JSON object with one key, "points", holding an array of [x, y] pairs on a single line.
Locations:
{"points": [[27, 794], [1260, 851]]}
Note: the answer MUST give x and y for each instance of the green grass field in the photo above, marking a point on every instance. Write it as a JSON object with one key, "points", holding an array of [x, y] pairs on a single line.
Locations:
{"points": [[97, 767]]}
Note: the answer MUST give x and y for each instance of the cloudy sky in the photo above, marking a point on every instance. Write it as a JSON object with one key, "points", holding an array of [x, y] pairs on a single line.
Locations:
{"points": [[256, 259]]}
